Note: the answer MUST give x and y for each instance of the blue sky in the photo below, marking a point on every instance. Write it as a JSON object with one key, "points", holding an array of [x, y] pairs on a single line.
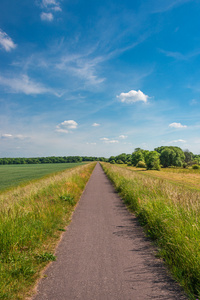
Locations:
{"points": [[88, 77]]}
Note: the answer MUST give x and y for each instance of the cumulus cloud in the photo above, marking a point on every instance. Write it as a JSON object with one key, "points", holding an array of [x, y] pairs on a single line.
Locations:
{"points": [[6, 42], [104, 139], [49, 5], [23, 84], [46, 17], [123, 136], [95, 124], [133, 96], [177, 125], [66, 126], [46, 3], [56, 8]]}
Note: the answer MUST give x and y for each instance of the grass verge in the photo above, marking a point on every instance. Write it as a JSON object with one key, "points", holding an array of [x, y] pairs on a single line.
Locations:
{"points": [[170, 215], [32, 219]]}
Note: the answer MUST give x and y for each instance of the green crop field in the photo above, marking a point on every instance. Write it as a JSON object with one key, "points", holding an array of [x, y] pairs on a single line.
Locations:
{"points": [[13, 175]]}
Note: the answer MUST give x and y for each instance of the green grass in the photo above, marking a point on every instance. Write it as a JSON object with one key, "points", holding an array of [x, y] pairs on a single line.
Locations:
{"points": [[170, 215], [13, 175], [32, 218]]}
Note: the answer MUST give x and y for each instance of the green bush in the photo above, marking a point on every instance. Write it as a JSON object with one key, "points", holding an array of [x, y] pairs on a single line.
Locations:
{"points": [[112, 162], [119, 161], [195, 167], [141, 164]]}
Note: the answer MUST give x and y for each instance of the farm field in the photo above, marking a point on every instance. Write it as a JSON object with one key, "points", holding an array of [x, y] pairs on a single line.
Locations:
{"points": [[169, 210], [186, 177], [13, 175]]}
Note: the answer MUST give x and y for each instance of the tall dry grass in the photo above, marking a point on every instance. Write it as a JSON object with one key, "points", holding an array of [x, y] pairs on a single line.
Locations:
{"points": [[171, 217], [31, 221]]}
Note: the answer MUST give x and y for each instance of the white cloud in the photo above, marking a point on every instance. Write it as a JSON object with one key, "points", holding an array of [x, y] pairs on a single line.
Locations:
{"points": [[177, 141], [86, 71], [23, 85], [6, 42], [11, 136], [109, 141], [95, 124], [6, 135], [177, 125], [51, 5], [56, 8], [123, 136], [112, 141], [82, 67], [133, 96], [66, 126], [46, 17], [46, 3]]}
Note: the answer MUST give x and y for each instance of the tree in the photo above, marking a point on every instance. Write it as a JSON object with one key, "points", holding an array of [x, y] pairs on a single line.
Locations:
{"points": [[153, 160], [171, 156], [137, 156], [112, 158], [122, 157], [188, 156]]}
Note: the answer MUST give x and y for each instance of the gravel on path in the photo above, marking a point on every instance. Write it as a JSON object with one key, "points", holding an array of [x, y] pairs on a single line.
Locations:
{"points": [[104, 254]]}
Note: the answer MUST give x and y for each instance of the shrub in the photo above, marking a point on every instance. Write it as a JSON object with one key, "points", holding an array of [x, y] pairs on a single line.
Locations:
{"points": [[195, 167], [119, 161], [112, 162], [141, 164]]}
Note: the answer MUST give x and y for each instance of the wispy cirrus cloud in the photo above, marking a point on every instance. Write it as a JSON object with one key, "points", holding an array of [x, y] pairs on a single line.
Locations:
{"points": [[6, 42], [82, 66], [180, 56], [66, 126], [133, 96], [164, 6], [23, 84]]}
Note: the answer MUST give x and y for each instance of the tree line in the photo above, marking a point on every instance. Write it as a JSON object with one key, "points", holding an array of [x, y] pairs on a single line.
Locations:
{"points": [[164, 156], [50, 159]]}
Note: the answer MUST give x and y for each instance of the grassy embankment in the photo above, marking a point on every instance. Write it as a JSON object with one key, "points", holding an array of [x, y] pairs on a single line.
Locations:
{"points": [[13, 175], [171, 216], [32, 219]]}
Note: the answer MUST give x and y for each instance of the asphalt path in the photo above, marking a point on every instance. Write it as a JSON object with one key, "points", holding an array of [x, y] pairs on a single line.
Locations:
{"points": [[104, 254]]}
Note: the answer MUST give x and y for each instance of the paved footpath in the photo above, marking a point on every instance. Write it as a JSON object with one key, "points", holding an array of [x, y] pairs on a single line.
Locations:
{"points": [[104, 254]]}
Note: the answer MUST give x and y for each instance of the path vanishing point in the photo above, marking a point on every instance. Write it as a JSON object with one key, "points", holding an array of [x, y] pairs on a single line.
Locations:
{"points": [[104, 254]]}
